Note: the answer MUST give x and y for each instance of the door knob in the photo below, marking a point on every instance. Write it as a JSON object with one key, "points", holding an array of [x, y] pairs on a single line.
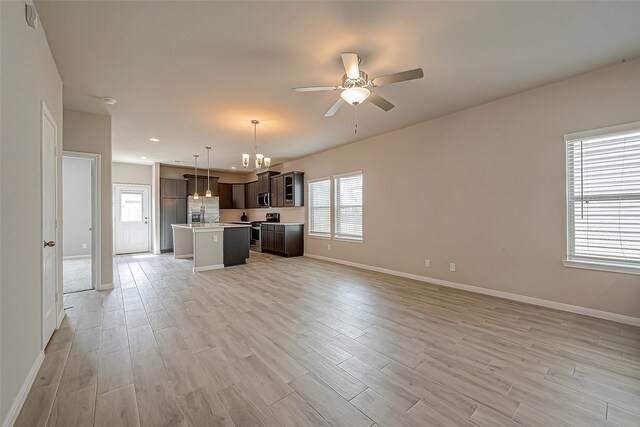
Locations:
{"points": [[50, 243]]}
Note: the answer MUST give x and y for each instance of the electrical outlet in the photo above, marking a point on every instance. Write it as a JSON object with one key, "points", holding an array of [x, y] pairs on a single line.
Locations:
{"points": [[452, 266], [329, 247], [427, 263], [84, 246], [215, 238]]}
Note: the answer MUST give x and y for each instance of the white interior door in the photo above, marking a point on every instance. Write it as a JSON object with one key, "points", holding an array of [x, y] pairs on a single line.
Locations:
{"points": [[49, 251], [131, 219]]}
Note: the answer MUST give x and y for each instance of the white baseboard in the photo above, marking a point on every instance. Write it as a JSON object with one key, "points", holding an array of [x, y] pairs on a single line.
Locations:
{"points": [[104, 286], [14, 411], [614, 317], [60, 318], [208, 267], [76, 256], [182, 256]]}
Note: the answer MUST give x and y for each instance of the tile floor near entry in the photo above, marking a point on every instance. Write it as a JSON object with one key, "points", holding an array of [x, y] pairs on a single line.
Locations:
{"points": [[296, 342], [76, 274]]}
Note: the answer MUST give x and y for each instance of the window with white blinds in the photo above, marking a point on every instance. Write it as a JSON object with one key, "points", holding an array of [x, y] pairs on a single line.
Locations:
{"points": [[603, 178], [348, 206], [320, 208]]}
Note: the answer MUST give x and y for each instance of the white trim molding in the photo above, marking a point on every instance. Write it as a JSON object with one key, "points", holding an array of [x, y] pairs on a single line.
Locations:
{"points": [[612, 267], [60, 318], [14, 411], [208, 267], [614, 317], [104, 286]]}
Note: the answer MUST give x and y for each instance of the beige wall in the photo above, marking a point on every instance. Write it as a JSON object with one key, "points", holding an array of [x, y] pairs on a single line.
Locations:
{"points": [[485, 188], [129, 173], [286, 214], [28, 76], [91, 133], [76, 206]]}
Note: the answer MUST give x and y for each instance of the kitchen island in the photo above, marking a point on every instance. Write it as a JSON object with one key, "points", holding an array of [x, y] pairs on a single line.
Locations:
{"points": [[211, 246]]}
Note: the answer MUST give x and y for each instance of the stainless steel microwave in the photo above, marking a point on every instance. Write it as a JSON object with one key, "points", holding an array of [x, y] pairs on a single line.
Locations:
{"points": [[263, 199]]}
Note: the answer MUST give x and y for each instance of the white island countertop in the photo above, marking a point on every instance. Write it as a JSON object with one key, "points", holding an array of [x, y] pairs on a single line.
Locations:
{"points": [[210, 226]]}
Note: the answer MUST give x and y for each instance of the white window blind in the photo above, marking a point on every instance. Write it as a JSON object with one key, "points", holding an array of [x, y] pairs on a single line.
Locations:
{"points": [[320, 208], [348, 206], [603, 177]]}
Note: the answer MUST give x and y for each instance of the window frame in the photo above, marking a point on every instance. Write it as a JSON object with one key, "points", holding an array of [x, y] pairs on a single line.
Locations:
{"points": [[571, 260], [310, 233], [335, 235]]}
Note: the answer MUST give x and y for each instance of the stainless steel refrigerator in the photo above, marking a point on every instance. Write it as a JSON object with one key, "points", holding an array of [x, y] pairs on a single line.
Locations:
{"points": [[210, 205]]}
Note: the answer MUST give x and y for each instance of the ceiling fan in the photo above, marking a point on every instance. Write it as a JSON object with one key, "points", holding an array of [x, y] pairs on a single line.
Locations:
{"points": [[355, 85]]}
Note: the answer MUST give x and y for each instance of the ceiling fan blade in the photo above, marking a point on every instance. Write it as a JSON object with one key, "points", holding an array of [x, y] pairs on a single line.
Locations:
{"points": [[398, 77], [380, 102], [350, 61], [313, 88], [334, 108]]}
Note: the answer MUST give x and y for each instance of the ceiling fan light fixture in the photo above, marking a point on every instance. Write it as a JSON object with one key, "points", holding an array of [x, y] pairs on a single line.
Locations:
{"points": [[355, 95]]}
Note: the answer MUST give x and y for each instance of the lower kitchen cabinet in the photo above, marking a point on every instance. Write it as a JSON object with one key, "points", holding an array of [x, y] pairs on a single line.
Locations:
{"points": [[283, 239]]}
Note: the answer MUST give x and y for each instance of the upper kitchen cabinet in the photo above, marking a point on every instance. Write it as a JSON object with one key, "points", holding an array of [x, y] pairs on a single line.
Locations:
{"points": [[225, 193], [202, 184], [232, 196], [287, 190], [277, 193], [238, 198], [175, 188], [264, 181], [251, 195]]}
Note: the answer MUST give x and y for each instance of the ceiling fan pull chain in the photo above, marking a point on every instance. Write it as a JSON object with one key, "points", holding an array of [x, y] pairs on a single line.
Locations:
{"points": [[355, 112]]}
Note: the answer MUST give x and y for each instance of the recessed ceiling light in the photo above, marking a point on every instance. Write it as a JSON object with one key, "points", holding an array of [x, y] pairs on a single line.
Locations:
{"points": [[154, 140], [108, 100], [233, 167], [143, 158]]}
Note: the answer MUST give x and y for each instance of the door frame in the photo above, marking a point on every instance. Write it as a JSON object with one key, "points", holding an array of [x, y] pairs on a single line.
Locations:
{"points": [[96, 217], [46, 115], [115, 216]]}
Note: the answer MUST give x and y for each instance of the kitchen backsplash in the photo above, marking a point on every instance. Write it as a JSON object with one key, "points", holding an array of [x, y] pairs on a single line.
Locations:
{"points": [[286, 214]]}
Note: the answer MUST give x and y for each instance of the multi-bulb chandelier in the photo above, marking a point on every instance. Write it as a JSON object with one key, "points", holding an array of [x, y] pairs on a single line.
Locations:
{"points": [[259, 158]]}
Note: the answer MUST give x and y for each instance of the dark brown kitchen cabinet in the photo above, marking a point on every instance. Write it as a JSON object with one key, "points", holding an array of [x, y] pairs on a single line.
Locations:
{"points": [[287, 189], [264, 181], [251, 195], [173, 209], [283, 239], [277, 194], [225, 194], [238, 196], [173, 188], [202, 184]]}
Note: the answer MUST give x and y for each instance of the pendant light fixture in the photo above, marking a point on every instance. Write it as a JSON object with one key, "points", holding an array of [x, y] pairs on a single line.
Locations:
{"points": [[208, 193], [259, 158], [195, 195]]}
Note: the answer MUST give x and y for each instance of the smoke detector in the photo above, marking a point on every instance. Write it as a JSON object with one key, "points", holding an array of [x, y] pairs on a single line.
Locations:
{"points": [[108, 100]]}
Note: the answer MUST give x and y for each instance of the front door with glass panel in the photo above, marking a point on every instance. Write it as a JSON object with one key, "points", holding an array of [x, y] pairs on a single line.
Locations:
{"points": [[131, 219]]}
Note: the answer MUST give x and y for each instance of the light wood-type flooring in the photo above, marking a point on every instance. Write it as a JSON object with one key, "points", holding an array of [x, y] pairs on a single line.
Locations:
{"points": [[297, 342]]}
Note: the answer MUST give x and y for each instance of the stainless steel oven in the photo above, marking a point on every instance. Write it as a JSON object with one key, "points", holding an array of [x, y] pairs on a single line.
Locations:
{"points": [[256, 241], [256, 230]]}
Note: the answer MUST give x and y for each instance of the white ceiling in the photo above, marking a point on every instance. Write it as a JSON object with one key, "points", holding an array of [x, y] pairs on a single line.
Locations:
{"points": [[196, 73]]}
